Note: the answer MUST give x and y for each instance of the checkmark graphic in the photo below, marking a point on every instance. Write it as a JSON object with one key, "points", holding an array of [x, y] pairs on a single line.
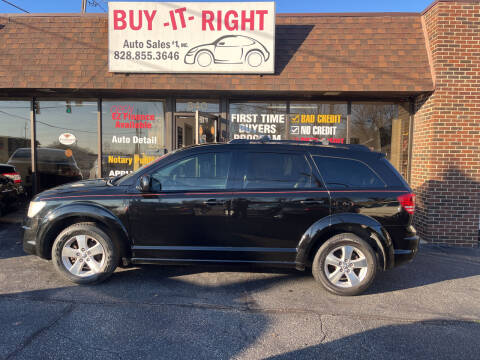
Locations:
{"points": [[295, 119]]}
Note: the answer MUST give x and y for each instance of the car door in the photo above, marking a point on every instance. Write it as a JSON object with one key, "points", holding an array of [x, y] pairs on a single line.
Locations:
{"points": [[277, 198], [228, 50], [184, 217]]}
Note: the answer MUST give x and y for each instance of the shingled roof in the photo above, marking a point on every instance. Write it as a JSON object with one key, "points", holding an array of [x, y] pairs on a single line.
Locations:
{"points": [[314, 53]]}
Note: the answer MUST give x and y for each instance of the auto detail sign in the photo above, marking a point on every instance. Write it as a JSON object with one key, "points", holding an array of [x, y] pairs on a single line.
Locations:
{"points": [[191, 37]]}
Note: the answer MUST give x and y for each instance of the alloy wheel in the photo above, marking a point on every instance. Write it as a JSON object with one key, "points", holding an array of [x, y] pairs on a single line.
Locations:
{"points": [[83, 255], [346, 266]]}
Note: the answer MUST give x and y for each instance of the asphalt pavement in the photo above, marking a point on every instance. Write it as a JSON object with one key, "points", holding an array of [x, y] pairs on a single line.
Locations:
{"points": [[429, 309]]}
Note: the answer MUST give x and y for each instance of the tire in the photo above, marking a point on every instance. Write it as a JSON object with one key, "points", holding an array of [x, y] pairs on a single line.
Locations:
{"points": [[94, 255], [204, 58], [342, 277], [254, 58]]}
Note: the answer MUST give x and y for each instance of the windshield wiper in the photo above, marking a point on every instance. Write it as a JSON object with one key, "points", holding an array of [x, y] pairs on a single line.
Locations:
{"points": [[108, 180], [112, 181]]}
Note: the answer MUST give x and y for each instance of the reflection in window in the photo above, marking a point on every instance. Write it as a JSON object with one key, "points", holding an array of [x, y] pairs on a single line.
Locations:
{"points": [[254, 120], [15, 138], [276, 171], [133, 135], [66, 141], [199, 172], [315, 121], [382, 127]]}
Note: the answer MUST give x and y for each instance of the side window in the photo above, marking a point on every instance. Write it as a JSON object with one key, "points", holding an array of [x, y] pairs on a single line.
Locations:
{"points": [[228, 41], [235, 41], [339, 173], [207, 171], [276, 171]]}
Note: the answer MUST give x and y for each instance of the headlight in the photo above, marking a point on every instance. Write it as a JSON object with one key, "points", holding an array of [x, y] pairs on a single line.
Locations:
{"points": [[35, 207]]}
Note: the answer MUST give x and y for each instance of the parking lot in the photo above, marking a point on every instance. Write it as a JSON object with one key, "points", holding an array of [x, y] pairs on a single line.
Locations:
{"points": [[427, 309]]}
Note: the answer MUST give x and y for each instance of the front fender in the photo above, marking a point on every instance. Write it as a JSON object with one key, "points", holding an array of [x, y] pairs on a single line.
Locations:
{"points": [[345, 222], [50, 223]]}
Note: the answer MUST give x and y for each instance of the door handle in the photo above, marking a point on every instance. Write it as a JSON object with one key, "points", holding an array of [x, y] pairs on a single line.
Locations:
{"points": [[311, 202], [213, 202], [343, 204]]}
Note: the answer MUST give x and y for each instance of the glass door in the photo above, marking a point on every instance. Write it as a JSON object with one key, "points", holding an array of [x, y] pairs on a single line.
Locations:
{"points": [[184, 130], [206, 128]]}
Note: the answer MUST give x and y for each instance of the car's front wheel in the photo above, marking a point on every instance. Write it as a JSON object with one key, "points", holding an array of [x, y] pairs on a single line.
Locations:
{"points": [[345, 264], [84, 254], [204, 58]]}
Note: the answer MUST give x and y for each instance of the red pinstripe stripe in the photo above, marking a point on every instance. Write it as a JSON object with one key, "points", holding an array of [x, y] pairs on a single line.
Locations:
{"points": [[230, 193]]}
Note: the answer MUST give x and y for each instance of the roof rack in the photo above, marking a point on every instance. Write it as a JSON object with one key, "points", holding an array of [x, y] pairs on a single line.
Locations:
{"points": [[297, 142]]}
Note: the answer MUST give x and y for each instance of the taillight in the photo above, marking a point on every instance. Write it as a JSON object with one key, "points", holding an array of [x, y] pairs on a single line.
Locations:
{"points": [[408, 202], [17, 179]]}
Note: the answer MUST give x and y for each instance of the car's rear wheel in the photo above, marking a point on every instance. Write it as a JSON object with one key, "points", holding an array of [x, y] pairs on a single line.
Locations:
{"points": [[84, 254], [255, 58], [345, 264], [204, 58]]}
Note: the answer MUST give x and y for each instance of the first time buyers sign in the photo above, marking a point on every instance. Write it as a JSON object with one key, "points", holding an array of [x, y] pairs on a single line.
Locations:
{"points": [[192, 37]]}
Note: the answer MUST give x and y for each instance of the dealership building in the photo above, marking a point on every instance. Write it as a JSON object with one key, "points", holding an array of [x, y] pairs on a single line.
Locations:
{"points": [[88, 95]]}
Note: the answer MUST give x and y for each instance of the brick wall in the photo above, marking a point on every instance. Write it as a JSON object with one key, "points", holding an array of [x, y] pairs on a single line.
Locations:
{"points": [[446, 149]]}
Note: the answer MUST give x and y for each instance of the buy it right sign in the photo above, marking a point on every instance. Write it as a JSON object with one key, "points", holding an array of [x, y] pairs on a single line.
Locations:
{"points": [[214, 37]]}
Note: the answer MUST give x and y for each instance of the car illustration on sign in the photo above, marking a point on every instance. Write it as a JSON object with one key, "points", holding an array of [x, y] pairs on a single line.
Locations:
{"points": [[229, 49]]}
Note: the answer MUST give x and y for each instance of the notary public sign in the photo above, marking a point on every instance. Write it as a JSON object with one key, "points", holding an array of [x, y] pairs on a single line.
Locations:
{"points": [[191, 37]]}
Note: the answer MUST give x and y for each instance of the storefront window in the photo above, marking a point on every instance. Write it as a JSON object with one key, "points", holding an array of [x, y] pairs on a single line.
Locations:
{"points": [[253, 120], [133, 135], [66, 141], [315, 121], [382, 127], [15, 146], [192, 105]]}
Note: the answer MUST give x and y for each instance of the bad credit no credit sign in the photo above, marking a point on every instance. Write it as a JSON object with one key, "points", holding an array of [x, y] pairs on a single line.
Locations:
{"points": [[192, 37]]}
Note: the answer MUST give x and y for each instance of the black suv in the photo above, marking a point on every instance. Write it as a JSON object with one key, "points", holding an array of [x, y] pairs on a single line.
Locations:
{"points": [[342, 210]]}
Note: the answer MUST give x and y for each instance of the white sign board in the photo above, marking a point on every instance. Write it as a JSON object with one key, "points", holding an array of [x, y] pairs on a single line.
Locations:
{"points": [[191, 37], [67, 139]]}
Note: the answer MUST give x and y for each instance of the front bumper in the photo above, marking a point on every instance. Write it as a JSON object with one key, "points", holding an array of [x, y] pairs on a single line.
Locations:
{"points": [[30, 236], [407, 248], [189, 59]]}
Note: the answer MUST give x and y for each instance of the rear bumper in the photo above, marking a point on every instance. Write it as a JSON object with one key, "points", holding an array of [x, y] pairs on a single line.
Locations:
{"points": [[406, 249], [20, 189]]}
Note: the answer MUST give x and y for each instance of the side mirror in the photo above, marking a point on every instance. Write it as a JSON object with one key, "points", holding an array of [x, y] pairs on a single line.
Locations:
{"points": [[144, 185]]}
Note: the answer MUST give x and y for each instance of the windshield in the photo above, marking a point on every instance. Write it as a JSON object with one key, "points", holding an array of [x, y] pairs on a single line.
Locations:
{"points": [[126, 177]]}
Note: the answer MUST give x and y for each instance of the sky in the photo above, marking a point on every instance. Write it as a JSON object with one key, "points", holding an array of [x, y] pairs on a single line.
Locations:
{"points": [[282, 6]]}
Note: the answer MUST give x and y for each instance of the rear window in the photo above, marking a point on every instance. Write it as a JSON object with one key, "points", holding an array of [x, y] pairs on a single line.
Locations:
{"points": [[340, 173], [5, 169]]}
